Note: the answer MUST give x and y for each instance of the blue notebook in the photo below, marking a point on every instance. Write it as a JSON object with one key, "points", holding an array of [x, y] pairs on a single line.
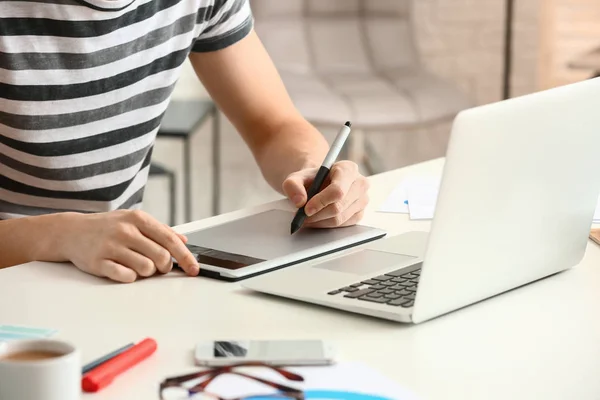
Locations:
{"points": [[14, 332]]}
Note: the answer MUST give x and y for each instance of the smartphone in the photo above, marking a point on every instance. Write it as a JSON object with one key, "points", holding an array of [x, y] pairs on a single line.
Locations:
{"points": [[273, 352]]}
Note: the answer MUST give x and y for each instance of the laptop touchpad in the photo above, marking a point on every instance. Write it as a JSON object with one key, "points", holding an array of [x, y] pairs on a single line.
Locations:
{"points": [[366, 262]]}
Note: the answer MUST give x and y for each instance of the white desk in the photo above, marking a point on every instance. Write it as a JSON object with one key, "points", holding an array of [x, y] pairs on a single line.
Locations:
{"points": [[539, 342]]}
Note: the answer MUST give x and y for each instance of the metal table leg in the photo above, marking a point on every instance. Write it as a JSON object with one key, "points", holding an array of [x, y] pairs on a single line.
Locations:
{"points": [[173, 187], [187, 159], [216, 163]]}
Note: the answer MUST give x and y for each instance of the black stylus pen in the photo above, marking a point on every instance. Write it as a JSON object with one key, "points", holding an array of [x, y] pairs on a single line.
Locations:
{"points": [[332, 155]]}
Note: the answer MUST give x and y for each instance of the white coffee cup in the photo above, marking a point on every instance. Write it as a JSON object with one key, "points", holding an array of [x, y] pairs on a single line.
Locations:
{"points": [[39, 370]]}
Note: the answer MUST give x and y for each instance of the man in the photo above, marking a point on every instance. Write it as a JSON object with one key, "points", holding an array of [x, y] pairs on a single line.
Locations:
{"points": [[83, 86]]}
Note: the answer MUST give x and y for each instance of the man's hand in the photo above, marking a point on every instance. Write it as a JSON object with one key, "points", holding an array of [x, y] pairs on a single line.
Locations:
{"points": [[341, 202], [124, 245]]}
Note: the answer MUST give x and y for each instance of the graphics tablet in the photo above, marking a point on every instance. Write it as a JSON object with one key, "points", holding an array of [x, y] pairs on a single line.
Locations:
{"points": [[262, 242]]}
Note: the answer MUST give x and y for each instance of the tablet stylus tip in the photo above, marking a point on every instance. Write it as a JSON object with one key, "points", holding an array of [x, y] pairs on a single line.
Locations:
{"points": [[294, 229]]}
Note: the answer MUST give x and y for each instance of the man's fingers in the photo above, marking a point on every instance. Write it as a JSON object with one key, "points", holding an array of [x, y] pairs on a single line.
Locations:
{"points": [[355, 193], [128, 258], [295, 185], [117, 272], [345, 218], [183, 238], [160, 256], [341, 177], [168, 239], [333, 222], [355, 219]]}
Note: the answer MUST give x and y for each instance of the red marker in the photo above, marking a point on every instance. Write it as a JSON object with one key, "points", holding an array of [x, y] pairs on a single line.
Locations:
{"points": [[101, 376]]}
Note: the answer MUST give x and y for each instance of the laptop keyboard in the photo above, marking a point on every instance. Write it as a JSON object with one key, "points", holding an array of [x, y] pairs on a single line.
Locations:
{"points": [[397, 288]]}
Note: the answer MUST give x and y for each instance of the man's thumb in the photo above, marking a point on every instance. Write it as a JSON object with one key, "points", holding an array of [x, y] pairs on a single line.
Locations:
{"points": [[294, 189]]}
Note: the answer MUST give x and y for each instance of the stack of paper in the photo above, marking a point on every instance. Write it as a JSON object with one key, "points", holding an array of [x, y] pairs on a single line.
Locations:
{"points": [[416, 196]]}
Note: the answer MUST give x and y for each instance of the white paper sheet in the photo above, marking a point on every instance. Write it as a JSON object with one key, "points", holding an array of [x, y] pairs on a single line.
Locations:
{"points": [[422, 199], [397, 201], [347, 381], [597, 215], [424, 192]]}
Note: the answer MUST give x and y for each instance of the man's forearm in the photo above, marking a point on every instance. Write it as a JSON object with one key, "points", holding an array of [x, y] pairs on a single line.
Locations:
{"points": [[32, 239], [297, 145], [245, 84]]}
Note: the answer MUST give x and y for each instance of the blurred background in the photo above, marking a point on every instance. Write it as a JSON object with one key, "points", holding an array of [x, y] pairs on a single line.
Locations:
{"points": [[399, 69]]}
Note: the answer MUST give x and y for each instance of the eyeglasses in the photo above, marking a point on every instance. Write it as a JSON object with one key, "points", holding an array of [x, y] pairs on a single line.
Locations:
{"points": [[174, 389]]}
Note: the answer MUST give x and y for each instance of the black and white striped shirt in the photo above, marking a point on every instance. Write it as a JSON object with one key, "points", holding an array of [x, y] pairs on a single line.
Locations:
{"points": [[83, 87]]}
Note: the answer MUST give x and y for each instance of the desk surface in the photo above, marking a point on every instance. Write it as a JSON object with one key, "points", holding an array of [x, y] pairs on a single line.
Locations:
{"points": [[538, 342]]}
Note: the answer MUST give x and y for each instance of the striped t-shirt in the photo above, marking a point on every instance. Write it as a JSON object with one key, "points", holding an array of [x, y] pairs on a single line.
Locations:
{"points": [[83, 87]]}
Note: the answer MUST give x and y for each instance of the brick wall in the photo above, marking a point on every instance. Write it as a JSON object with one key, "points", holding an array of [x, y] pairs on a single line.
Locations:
{"points": [[463, 41], [572, 27]]}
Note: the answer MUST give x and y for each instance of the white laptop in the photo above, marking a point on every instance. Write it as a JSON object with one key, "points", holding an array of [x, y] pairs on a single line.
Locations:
{"points": [[516, 203]]}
